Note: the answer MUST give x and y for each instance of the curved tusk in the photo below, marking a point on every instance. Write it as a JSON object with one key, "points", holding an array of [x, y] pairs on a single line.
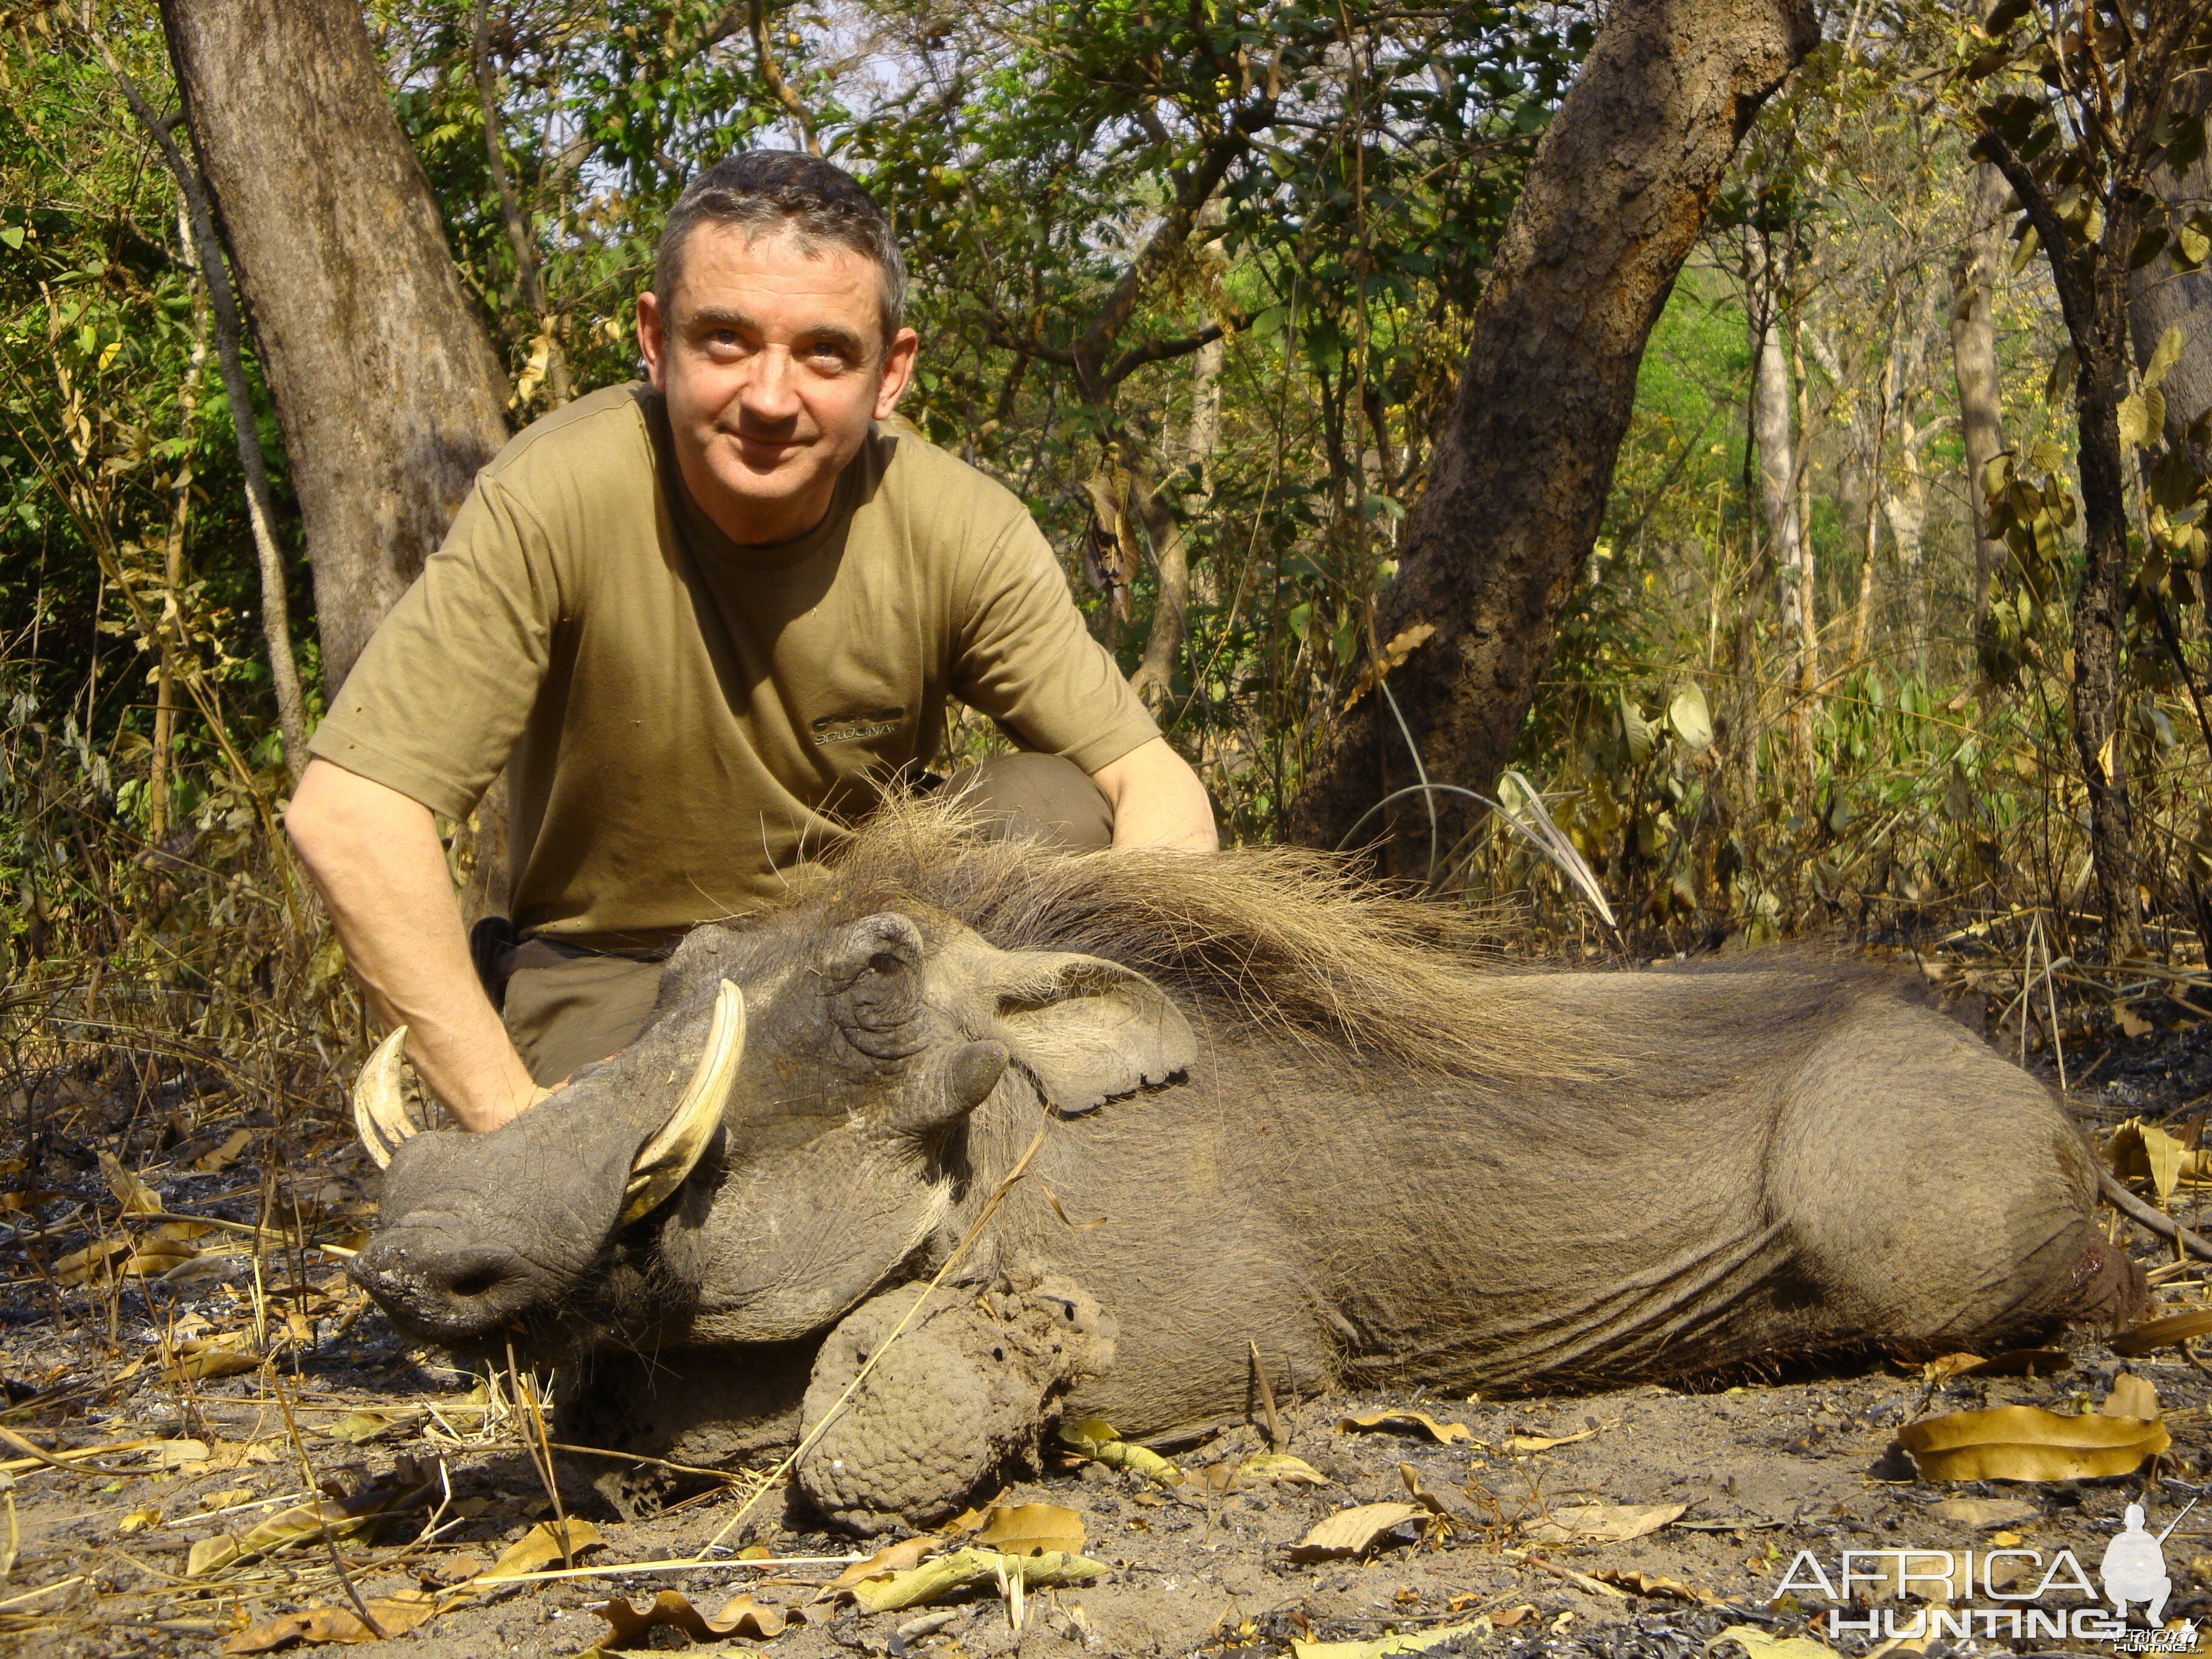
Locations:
{"points": [[668, 1158], [379, 1109]]}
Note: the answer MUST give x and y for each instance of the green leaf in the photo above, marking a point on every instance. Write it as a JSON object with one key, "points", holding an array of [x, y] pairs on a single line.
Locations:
{"points": [[2192, 244], [1639, 734], [12, 236], [1691, 720], [2164, 358]]}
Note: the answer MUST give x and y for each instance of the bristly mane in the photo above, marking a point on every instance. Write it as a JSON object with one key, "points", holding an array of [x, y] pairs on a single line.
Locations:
{"points": [[1279, 937]]}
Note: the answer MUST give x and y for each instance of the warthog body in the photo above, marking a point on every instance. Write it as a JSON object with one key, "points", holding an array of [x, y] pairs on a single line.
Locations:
{"points": [[1260, 1109]]}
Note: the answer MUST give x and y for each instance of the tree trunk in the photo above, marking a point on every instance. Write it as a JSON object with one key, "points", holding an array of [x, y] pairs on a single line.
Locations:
{"points": [[1906, 508], [1778, 479], [1974, 362], [2160, 297], [1614, 199], [387, 386]]}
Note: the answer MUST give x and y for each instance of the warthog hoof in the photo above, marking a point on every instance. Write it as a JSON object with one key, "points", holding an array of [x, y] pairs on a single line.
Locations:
{"points": [[961, 1393]]}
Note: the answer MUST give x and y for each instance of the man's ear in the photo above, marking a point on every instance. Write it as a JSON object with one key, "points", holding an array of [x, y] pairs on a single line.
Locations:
{"points": [[649, 338], [898, 370], [1089, 1029]]}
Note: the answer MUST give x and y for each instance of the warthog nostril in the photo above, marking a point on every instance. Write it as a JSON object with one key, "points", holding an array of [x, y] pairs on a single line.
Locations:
{"points": [[469, 1275]]}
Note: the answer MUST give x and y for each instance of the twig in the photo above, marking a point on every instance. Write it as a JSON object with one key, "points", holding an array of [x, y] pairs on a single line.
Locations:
{"points": [[52, 1461], [540, 1450], [639, 1457], [1266, 1397], [246, 1227], [2148, 1216], [680, 1564], [307, 1470]]}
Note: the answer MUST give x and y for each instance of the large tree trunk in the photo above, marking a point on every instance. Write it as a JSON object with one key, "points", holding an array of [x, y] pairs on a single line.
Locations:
{"points": [[1778, 478], [1974, 362], [1614, 199], [387, 386]]}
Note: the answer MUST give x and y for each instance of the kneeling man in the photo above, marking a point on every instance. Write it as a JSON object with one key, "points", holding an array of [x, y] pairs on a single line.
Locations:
{"points": [[705, 621]]}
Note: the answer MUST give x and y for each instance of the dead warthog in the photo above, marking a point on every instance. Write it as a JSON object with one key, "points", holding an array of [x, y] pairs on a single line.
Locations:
{"points": [[1260, 1109]]}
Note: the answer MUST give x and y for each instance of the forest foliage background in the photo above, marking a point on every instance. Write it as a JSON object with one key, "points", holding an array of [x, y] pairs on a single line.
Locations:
{"points": [[1797, 691]]}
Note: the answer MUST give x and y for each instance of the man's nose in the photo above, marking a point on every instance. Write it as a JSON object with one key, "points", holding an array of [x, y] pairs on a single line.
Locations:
{"points": [[770, 393]]}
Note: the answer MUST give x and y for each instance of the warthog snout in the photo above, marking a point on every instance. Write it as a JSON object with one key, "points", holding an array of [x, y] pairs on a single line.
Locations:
{"points": [[450, 1291]]}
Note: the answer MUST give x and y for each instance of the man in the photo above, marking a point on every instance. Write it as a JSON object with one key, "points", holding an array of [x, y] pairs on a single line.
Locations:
{"points": [[708, 621]]}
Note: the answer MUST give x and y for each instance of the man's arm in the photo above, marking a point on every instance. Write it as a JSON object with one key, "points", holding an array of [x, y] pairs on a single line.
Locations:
{"points": [[374, 854], [1157, 801]]}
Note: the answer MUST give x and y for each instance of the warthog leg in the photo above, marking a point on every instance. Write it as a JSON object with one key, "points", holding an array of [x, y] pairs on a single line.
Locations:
{"points": [[961, 1393]]}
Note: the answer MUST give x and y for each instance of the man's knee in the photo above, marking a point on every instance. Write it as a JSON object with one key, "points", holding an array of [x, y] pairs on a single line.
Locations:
{"points": [[1043, 796]]}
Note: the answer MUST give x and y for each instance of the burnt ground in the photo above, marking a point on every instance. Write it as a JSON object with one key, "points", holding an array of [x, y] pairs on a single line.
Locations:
{"points": [[1767, 1466]]}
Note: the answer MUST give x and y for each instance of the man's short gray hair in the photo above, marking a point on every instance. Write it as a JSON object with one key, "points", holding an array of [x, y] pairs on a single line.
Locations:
{"points": [[783, 190]]}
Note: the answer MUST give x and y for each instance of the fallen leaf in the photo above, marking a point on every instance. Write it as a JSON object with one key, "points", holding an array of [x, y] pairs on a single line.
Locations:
{"points": [[2022, 1361], [907, 1553], [2162, 1333], [1985, 1511], [228, 1497], [1760, 1645], [2132, 1022], [1281, 1466], [209, 1553], [1418, 1641], [2131, 1396], [357, 1428], [1945, 1366], [136, 1197], [84, 1265], [1651, 1584], [395, 1616], [310, 1523], [540, 1547], [1407, 1422], [1601, 1524], [137, 1521], [920, 1585], [1353, 1531], [2144, 1151], [2026, 1442], [1513, 1616], [236, 1142], [1536, 1443], [175, 1454], [231, 1354], [1097, 1440], [671, 1609], [1032, 1530]]}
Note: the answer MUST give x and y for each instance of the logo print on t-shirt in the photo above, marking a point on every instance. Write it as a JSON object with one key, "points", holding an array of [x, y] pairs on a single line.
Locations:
{"points": [[852, 728]]}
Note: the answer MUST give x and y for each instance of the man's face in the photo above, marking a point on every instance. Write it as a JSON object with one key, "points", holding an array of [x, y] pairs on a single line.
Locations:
{"points": [[772, 364]]}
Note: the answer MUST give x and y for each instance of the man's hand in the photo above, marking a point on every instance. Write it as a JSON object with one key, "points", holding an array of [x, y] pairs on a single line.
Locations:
{"points": [[1157, 801], [374, 854]]}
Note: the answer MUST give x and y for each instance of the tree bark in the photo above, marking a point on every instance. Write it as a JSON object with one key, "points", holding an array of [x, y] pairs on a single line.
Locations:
{"points": [[2160, 297], [1974, 362], [1778, 478], [387, 386], [1614, 199], [528, 287]]}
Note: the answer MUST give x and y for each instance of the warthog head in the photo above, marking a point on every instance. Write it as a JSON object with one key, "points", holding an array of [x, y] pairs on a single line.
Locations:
{"points": [[783, 1137]]}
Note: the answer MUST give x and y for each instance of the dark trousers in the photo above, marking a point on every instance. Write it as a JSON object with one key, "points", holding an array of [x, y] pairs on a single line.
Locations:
{"points": [[566, 1007]]}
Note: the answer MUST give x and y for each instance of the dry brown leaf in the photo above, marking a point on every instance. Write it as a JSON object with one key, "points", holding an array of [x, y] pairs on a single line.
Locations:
{"points": [[2131, 1396], [136, 1197], [236, 1142], [231, 1354], [175, 1454], [918, 1586], [334, 1517], [1401, 645], [1409, 1422], [540, 1547], [2131, 1023], [741, 1615], [907, 1553], [1536, 1443], [395, 1616], [1381, 1647], [1600, 1524], [2026, 1442], [1098, 1440], [2144, 1151], [1651, 1584], [1945, 1366], [1032, 1530], [1512, 1616], [2156, 1333], [1353, 1531], [137, 1521], [1281, 1466], [89, 1264], [1985, 1511], [2022, 1361]]}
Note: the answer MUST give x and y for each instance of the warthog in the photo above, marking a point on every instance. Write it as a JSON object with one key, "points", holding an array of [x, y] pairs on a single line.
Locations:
{"points": [[1260, 1109]]}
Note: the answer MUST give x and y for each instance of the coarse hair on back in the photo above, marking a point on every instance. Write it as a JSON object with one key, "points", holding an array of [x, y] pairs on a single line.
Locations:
{"points": [[1281, 938], [766, 190]]}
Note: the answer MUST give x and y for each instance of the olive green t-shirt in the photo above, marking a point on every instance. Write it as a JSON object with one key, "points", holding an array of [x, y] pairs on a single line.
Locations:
{"points": [[687, 719]]}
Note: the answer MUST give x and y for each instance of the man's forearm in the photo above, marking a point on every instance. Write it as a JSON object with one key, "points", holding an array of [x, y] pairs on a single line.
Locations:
{"points": [[375, 856], [1157, 801]]}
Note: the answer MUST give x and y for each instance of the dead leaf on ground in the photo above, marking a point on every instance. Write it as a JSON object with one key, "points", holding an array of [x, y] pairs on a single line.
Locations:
{"points": [[175, 1454], [1600, 1524], [1409, 1422], [237, 1141], [136, 1197], [89, 1264], [1281, 1466], [1536, 1443], [2022, 1361], [231, 1354], [2144, 1151], [1979, 1513], [2026, 1442], [740, 1616], [907, 1553], [1353, 1531], [1512, 1616], [1653, 1585], [395, 1616], [920, 1585], [334, 1517], [358, 1428], [540, 1547], [2156, 1333], [1760, 1645], [1032, 1530], [1098, 1440], [1379, 1647], [2131, 1396]]}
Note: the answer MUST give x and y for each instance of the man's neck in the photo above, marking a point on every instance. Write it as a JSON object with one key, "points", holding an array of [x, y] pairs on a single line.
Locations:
{"points": [[758, 524]]}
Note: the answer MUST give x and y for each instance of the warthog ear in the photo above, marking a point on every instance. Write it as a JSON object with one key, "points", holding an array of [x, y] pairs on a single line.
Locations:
{"points": [[1089, 1029]]}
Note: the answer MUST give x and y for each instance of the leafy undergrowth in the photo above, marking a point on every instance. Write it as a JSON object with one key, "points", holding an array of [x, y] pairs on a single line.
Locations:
{"points": [[216, 1445]]}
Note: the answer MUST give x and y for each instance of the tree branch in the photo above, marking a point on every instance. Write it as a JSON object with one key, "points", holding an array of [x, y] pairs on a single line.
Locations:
{"points": [[2074, 299], [1161, 351], [773, 76]]}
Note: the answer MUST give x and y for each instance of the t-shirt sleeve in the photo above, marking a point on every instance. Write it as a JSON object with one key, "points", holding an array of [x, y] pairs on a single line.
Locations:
{"points": [[435, 704], [1026, 659]]}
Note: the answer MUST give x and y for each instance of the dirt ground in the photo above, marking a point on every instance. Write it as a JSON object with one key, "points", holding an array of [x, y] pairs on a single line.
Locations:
{"points": [[1766, 1467]]}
